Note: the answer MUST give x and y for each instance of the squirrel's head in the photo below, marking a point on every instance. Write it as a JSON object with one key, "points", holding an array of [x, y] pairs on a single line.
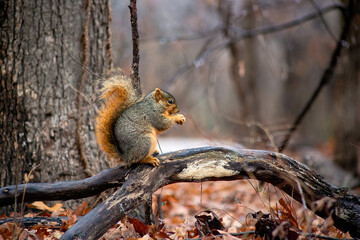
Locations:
{"points": [[166, 100]]}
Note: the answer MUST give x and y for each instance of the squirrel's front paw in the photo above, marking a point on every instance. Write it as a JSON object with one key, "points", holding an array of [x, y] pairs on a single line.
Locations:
{"points": [[152, 160], [180, 119]]}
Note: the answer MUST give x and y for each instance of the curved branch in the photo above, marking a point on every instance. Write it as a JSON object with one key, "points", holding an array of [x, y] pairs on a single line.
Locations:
{"points": [[223, 164]]}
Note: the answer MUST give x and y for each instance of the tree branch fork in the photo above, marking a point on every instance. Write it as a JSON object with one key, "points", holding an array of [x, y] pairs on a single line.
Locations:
{"points": [[194, 165]]}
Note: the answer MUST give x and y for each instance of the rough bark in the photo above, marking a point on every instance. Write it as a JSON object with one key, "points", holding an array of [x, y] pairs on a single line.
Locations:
{"points": [[346, 98], [197, 165], [46, 115]]}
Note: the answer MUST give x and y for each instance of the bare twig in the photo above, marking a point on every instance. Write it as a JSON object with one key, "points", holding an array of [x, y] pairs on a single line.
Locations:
{"points": [[317, 8], [325, 79], [23, 196], [240, 35], [17, 172], [195, 36], [135, 78]]}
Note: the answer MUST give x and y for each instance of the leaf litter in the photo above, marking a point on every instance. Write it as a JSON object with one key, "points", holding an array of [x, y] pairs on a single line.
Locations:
{"points": [[210, 210]]}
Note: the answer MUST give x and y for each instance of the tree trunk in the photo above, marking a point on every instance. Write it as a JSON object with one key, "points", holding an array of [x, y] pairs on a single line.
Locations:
{"points": [[347, 101], [46, 111]]}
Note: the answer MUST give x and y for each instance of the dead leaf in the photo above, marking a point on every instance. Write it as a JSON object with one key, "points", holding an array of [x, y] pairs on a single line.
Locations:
{"points": [[42, 206], [180, 233], [283, 232], [68, 223], [128, 230], [146, 237], [288, 214], [162, 235], [6, 230], [113, 233], [82, 210], [207, 223], [264, 225], [139, 227]]}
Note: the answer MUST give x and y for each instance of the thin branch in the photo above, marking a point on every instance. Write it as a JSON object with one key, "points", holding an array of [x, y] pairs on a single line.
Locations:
{"points": [[195, 36], [290, 24], [240, 35], [135, 78], [332, 35], [325, 79]]}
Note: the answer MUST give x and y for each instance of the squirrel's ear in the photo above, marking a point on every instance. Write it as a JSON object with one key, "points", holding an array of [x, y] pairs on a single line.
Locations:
{"points": [[157, 94]]}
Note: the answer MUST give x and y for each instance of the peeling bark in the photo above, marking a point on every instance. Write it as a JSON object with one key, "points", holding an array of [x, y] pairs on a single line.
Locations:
{"points": [[198, 165]]}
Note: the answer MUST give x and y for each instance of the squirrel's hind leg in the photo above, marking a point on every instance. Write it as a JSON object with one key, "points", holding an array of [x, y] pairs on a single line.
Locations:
{"points": [[150, 158], [142, 150]]}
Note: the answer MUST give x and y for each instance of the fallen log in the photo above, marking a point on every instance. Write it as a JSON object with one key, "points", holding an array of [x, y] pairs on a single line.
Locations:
{"points": [[218, 164]]}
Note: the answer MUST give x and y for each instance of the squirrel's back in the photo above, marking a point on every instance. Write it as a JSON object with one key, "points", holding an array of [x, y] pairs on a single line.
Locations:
{"points": [[118, 94]]}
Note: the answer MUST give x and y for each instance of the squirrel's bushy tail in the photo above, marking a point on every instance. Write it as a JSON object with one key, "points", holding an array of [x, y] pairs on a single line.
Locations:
{"points": [[117, 93]]}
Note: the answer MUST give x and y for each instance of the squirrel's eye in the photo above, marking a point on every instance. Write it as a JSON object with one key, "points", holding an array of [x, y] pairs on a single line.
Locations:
{"points": [[170, 101]]}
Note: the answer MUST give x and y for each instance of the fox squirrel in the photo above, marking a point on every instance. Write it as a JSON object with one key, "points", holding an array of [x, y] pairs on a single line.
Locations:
{"points": [[127, 125]]}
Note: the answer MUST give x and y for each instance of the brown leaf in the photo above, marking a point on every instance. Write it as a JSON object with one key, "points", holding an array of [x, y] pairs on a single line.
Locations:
{"points": [[42, 206], [139, 227], [162, 235], [264, 226], [128, 230], [82, 210], [113, 233], [68, 223], [6, 230], [283, 232], [288, 214], [180, 233], [207, 223]]}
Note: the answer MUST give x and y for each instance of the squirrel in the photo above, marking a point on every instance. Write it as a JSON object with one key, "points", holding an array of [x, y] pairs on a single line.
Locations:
{"points": [[127, 124]]}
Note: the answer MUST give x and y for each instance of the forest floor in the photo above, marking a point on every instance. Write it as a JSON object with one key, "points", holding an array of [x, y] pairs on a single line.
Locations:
{"points": [[221, 210]]}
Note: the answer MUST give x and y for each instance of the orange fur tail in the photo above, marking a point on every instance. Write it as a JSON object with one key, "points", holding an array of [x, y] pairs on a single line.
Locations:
{"points": [[118, 94]]}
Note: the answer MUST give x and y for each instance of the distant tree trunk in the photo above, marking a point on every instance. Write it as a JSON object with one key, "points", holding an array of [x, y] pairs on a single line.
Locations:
{"points": [[226, 12], [46, 110], [347, 99]]}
